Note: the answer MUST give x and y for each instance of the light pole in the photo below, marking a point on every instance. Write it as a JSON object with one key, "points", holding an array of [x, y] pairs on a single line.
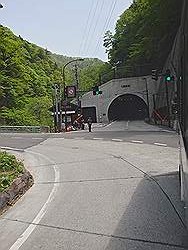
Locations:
{"points": [[56, 109], [147, 97], [64, 89]]}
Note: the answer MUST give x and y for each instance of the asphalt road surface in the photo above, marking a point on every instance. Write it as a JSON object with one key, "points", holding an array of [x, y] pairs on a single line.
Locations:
{"points": [[114, 189], [134, 132]]}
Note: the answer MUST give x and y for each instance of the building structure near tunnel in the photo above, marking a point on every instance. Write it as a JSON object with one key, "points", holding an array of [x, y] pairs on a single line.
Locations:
{"points": [[121, 99]]}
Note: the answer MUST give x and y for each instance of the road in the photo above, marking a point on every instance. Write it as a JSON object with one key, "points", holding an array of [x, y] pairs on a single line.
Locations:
{"points": [[115, 188], [134, 132]]}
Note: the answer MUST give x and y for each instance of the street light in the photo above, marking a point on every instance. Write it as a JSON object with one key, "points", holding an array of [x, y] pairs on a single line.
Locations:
{"points": [[1, 6], [64, 88]]}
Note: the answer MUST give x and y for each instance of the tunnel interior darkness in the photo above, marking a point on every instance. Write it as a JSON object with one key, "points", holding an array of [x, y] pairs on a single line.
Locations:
{"points": [[127, 107]]}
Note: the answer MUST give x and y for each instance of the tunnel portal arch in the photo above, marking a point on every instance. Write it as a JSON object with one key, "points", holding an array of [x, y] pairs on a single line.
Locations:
{"points": [[127, 107]]}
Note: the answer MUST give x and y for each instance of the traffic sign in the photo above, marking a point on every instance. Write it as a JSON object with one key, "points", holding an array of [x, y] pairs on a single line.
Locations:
{"points": [[71, 91]]}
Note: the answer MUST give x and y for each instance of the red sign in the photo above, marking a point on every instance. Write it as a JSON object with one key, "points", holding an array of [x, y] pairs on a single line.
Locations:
{"points": [[71, 91]]}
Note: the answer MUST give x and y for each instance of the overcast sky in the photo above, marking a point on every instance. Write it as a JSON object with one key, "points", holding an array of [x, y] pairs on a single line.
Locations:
{"points": [[66, 27]]}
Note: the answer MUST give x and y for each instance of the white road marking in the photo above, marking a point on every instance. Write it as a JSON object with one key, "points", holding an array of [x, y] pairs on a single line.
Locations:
{"points": [[96, 138], [169, 131], [25, 235], [17, 137], [13, 149], [160, 144], [78, 138], [33, 138], [137, 141], [110, 124], [37, 138], [117, 140]]}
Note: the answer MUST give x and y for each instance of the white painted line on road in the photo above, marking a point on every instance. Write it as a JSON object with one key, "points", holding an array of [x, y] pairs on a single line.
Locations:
{"points": [[13, 149], [18, 137], [37, 138], [117, 140], [160, 144], [137, 141], [78, 138], [96, 138], [25, 235], [110, 124], [33, 138], [169, 131]]}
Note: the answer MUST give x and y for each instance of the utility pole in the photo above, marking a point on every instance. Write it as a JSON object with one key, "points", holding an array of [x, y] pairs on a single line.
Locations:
{"points": [[154, 107], [60, 109], [64, 87], [167, 102], [77, 86], [56, 108], [147, 97]]}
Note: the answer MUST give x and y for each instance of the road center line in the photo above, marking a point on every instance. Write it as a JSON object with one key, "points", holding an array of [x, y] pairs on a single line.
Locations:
{"points": [[137, 141], [25, 235], [37, 138], [117, 140], [96, 138], [160, 144], [17, 137]]}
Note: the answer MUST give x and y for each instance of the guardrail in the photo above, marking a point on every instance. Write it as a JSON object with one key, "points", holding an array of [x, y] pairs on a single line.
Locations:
{"points": [[24, 129]]}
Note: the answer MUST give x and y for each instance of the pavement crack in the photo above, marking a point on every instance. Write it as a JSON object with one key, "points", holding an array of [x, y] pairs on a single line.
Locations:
{"points": [[69, 162], [119, 237], [90, 180], [152, 178]]}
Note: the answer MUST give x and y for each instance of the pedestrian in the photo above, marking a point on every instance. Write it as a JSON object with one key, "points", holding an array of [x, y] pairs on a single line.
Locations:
{"points": [[89, 122], [82, 124]]}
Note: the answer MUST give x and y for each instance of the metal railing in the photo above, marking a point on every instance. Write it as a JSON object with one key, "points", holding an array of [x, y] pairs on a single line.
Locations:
{"points": [[24, 129]]}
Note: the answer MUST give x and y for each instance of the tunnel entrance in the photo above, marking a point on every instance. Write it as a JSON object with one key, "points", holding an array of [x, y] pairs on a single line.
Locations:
{"points": [[127, 107]]}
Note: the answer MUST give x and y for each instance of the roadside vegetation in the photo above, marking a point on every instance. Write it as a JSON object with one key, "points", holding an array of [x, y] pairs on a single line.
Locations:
{"points": [[27, 76], [10, 169], [143, 38], [144, 35]]}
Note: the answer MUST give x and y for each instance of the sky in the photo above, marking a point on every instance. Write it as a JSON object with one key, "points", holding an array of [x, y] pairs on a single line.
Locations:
{"points": [[68, 27]]}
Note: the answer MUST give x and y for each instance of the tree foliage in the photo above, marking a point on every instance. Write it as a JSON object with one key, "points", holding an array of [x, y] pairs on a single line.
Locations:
{"points": [[27, 74], [144, 34]]}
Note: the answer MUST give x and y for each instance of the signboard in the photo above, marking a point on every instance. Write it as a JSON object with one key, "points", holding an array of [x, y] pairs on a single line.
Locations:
{"points": [[71, 91]]}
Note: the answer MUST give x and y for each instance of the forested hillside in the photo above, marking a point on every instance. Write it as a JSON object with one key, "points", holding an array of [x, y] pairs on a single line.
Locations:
{"points": [[89, 70], [27, 74], [144, 35]]}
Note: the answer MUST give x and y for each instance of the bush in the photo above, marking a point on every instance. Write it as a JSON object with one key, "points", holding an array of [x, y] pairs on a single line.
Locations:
{"points": [[10, 168]]}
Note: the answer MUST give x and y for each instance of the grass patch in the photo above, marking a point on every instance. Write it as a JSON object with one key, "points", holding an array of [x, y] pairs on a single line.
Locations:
{"points": [[10, 169]]}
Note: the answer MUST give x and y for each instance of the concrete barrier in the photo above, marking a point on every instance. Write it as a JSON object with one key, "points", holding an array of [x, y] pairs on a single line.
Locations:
{"points": [[16, 189]]}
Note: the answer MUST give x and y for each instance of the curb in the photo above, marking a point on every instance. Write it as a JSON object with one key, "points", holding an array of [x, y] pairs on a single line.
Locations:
{"points": [[15, 191]]}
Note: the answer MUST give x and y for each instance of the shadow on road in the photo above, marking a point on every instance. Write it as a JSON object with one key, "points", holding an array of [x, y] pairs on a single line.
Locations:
{"points": [[150, 221]]}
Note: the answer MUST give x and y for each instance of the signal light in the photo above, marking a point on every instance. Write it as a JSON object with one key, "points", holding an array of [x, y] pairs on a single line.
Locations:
{"points": [[96, 90], [154, 74], [168, 77]]}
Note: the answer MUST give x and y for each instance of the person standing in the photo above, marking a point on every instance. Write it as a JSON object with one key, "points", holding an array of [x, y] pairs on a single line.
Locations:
{"points": [[89, 122]]}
